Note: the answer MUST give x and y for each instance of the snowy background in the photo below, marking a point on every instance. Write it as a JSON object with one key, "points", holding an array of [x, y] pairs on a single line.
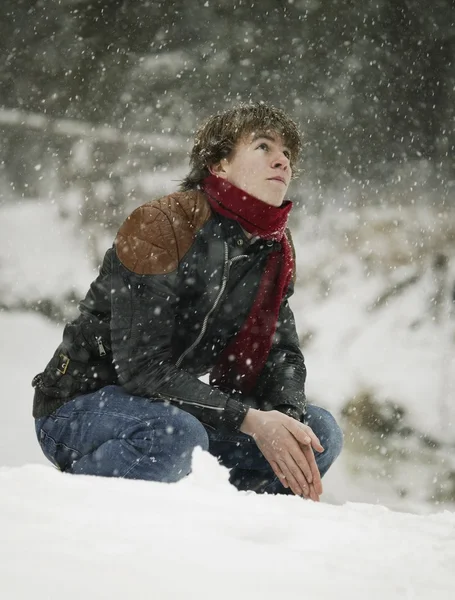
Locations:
{"points": [[98, 104]]}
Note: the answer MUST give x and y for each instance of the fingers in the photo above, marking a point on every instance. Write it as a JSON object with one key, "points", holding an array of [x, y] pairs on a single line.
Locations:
{"points": [[296, 479], [305, 435], [288, 447], [298, 489], [313, 494], [301, 459], [287, 478], [307, 490], [304, 459], [316, 476], [306, 462], [298, 431], [315, 441], [279, 473]]}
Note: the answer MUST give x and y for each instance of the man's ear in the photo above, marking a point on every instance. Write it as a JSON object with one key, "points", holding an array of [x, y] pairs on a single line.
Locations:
{"points": [[219, 169]]}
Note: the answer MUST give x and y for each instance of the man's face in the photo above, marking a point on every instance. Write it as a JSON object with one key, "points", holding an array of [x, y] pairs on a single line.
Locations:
{"points": [[260, 165]]}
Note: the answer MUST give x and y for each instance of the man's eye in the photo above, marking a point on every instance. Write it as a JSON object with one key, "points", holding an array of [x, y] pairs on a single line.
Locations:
{"points": [[287, 154], [264, 146]]}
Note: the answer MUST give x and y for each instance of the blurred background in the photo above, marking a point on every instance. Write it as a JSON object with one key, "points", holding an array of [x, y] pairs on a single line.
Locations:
{"points": [[99, 101]]}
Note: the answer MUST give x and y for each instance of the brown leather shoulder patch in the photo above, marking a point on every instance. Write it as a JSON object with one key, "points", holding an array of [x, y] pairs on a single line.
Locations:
{"points": [[155, 237], [291, 242]]}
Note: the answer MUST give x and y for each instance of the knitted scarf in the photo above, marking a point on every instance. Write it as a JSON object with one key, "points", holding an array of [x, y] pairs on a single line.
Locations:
{"points": [[241, 362]]}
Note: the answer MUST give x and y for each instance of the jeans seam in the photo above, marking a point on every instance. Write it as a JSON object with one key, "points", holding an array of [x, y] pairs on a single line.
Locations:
{"points": [[52, 459], [91, 412], [138, 462], [103, 413], [60, 443]]}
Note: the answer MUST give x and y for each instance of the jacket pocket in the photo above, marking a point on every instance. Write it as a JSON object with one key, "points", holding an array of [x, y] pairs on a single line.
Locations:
{"points": [[65, 377]]}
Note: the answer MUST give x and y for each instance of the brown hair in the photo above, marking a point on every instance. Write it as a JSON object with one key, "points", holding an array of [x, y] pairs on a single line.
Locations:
{"points": [[217, 137]]}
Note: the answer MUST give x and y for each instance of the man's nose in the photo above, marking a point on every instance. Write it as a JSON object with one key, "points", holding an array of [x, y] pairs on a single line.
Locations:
{"points": [[281, 160]]}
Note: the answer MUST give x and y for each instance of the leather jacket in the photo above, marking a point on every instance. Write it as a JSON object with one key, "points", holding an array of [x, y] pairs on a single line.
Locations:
{"points": [[174, 289]]}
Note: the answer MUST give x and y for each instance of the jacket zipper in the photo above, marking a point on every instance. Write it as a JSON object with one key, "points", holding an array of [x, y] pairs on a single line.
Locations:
{"points": [[227, 264], [177, 400], [101, 349]]}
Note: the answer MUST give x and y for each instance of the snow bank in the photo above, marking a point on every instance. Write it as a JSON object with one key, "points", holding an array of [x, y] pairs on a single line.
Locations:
{"points": [[86, 537]]}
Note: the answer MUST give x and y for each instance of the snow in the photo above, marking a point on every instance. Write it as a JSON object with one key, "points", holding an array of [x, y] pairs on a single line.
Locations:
{"points": [[89, 537], [43, 256], [30, 340]]}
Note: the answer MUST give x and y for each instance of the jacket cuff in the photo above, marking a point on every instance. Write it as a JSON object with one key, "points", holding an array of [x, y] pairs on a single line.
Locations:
{"points": [[290, 411], [234, 413]]}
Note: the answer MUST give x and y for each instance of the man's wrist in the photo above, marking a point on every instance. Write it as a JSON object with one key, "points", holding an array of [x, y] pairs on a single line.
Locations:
{"points": [[248, 422]]}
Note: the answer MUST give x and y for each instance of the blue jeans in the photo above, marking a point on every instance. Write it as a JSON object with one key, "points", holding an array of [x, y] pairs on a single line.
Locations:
{"points": [[113, 434]]}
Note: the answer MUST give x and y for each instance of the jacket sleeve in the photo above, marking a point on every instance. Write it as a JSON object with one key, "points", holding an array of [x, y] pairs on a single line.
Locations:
{"points": [[144, 300], [281, 384]]}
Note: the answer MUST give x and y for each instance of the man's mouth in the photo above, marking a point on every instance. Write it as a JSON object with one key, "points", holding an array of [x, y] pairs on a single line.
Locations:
{"points": [[281, 179]]}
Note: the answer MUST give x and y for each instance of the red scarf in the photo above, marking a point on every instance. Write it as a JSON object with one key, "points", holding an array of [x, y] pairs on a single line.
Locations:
{"points": [[241, 362]]}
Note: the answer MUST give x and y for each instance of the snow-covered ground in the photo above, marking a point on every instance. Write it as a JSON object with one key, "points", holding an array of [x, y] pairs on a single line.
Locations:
{"points": [[76, 537]]}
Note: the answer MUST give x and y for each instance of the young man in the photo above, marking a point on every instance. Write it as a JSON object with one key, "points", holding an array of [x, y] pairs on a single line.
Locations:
{"points": [[197, 282]]}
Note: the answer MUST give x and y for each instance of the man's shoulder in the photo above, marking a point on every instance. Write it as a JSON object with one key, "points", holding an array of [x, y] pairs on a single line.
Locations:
{"points": [[192, 205], [157, 234]]}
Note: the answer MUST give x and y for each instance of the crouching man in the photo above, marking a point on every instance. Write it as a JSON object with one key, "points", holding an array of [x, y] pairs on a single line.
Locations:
{"points": [[196, 282]]}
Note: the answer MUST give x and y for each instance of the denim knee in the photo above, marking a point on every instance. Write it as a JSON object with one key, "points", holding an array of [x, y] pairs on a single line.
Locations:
{"points": [[329, 433], [335, 437], [185, 432], [170, 440]]}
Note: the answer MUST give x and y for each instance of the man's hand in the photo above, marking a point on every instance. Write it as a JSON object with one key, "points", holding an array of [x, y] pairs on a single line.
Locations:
{"points": [[287, 446]]}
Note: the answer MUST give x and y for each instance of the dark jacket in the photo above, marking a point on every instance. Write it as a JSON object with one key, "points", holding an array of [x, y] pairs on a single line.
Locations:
{"points": [[173, 290]]}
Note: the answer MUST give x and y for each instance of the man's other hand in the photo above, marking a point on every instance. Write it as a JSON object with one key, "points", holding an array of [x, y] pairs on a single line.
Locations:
{"points": [[288, 447]]}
